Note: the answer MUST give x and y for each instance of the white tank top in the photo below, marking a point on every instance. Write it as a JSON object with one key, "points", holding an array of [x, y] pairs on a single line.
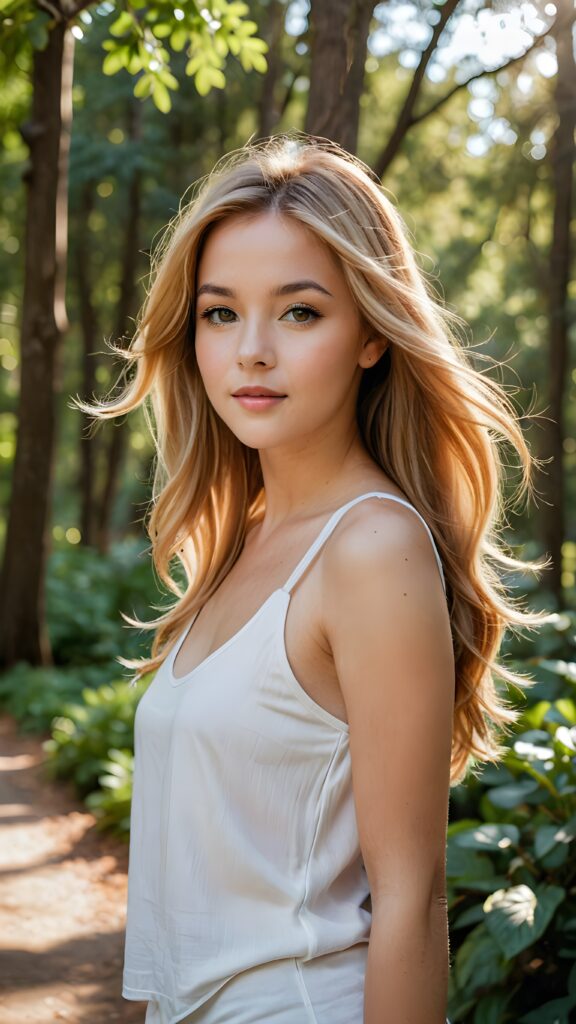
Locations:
{"points": [[244, 845]]}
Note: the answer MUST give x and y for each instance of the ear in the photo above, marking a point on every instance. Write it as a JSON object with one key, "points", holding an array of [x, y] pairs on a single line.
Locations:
{"points": [[372, 349]]}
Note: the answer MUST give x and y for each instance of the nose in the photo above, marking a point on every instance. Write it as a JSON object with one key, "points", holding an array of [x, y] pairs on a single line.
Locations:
{"points": [[254, 345]]}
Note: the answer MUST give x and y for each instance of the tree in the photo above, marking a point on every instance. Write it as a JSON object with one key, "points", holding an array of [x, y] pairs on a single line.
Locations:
{"points": [[339, 31], [209, 33], [563, 154]]}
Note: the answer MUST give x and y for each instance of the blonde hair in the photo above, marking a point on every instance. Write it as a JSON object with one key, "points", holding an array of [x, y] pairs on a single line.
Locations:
{"points": [[432, 421]]}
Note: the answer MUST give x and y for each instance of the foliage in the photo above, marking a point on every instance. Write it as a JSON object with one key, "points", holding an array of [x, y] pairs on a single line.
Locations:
{"points": [[34, 696], [206, 32], [85, 594], [92, 743], [111, 802], [22, 22], [511, 871]]}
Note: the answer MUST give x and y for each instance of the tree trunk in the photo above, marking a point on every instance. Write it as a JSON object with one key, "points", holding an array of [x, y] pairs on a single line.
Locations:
{"points": [[89, 324], [118, 433], [268, 106], [339, 34], [23, 634], [563, 153]]}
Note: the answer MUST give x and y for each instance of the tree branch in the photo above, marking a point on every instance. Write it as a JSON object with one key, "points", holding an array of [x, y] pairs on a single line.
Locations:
{"points": [[64, 10], [407, 119], [480, 74], [406, 114]]}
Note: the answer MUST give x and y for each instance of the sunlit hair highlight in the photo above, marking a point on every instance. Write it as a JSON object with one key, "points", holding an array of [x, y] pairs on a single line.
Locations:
{"points": [[436, 425]]}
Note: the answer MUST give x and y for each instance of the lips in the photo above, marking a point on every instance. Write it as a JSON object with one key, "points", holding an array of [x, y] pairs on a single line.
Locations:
{"points": [[258, 392]]}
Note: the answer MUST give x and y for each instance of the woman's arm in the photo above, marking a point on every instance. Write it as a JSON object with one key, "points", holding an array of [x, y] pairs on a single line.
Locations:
{"points": [[386, 620]]}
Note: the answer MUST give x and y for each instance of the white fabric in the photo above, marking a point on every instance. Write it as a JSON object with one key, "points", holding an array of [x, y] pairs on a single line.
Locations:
{"points": [[244, 846], [324, 990]]}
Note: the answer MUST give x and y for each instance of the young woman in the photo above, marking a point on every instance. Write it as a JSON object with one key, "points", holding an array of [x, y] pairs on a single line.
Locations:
{"points": [[329, 477]]}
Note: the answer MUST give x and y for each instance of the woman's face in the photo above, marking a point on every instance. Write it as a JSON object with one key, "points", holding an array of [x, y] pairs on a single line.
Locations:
{"points": [[274, 310]]}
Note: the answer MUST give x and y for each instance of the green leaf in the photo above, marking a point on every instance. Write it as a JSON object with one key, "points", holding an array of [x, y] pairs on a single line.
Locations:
{"points": [[255, 61], [488, 837], [161, 96], [178, 39], [509, 796], [144, 86], [218, 78], [555, 858], [491, 1007], [532, 751], [134, 64], [220, 43], [465, 863], [195, 63], [545, 840], [463, 825], [567, 709], [555, 1012], [567, 737], [236, 9], [255, 45], [534, 717], [125, 23], [167, 78], [162, 30], [517, 916], [566, 669], [246, 28], [473, 915], [548, 835], [207, 77], [479, 961], [114, 61]]}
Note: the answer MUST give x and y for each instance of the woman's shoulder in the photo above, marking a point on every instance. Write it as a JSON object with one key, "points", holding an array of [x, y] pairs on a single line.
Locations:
{"points": [[379, 535]]}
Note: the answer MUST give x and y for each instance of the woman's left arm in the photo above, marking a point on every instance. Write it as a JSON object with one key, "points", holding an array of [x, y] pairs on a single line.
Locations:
{"points": [[387, 623]]}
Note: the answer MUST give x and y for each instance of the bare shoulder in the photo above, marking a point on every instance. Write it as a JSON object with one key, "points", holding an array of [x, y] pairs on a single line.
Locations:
{"points": [[381, 540]]}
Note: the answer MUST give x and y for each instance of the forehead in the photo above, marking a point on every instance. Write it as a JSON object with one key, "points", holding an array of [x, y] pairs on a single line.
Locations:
{"points": [[270, 242]]}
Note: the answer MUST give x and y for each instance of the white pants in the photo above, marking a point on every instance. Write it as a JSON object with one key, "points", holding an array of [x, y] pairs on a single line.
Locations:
{"points": [[326, 990]]}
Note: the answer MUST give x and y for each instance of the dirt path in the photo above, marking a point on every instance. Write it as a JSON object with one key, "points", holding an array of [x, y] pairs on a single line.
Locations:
{"points": [[62, 900]]}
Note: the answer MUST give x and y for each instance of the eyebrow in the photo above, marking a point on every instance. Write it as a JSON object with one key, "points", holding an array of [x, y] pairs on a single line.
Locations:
{"points": [[284, 289]]}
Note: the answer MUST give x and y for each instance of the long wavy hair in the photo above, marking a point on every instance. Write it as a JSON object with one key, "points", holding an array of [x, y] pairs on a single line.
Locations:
{"points": [[435, 424]]}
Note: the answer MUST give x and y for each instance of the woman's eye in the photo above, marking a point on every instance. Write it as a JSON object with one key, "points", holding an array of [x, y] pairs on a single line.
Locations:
{"points": [[207, 315], [310, 314]]}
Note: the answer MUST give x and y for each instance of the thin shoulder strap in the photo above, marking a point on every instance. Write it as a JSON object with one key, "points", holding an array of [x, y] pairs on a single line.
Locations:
{"points": [[335, 519]]}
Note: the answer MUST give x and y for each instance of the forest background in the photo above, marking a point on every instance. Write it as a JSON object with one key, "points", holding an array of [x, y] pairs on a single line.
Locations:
{"points": [[467, 111]]}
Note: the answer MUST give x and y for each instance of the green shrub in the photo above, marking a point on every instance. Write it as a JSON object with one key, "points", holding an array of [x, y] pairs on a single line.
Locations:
{"points": [[85, 594], [511, 876], [83, 735], [111, 803], [35, 696]]}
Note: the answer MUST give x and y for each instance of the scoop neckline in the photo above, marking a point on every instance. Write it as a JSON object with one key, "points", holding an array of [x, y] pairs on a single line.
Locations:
{"points": [[178, 680]]}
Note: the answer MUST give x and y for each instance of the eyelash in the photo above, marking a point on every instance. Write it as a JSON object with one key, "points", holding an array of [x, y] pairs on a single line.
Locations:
{"points": [[205, 315]]}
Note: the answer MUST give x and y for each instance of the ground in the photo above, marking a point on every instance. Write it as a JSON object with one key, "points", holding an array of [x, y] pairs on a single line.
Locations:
{"points": [[62, 899]]}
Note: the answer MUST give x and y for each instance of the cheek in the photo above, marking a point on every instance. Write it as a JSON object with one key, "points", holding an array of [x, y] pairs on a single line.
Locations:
{"points": [[210, 357], [326, 365]]}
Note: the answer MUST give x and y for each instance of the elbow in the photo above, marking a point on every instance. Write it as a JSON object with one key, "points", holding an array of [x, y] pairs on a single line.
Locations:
{"points": [[417, 898]]}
